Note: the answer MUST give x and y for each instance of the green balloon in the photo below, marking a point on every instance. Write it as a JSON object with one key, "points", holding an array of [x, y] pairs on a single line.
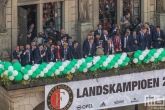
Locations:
{"points": [[109, 67], [87, 59], [56, 65], [103, 58], [145, 61], [80, 69], [72, 64], [84, 65], [41, 67], [7, 64], [10, 73], [59, 63], [139, 52], [118, 55], [24, 71], [2, 63], [115, 59], [17, 66], [45, 75], [49, 73], [34, 75], [92, 69], [38, 71], [149, 56], [44, 64], [69, 67], [112, 62], [123, 64], [1, 71], [28, 67], [65, 71], [127, 59], [136, 55], [53, 69], [160, 58], [19, 77], [163, 54], [156, 60], [97, 66], [103, 68], [100, 62], [139, 62]]}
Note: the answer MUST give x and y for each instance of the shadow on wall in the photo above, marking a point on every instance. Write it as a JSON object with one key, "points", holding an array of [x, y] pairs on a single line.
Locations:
{"points": [[41, 106]]}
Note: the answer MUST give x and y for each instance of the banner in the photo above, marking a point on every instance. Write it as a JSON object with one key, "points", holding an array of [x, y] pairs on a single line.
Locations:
{"points": [[109, 92]]}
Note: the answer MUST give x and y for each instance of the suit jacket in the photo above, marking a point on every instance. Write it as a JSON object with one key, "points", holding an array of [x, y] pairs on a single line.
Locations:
{"points": [[111, 49], [76, 52], [33, 34], [105, 39], [15, 55], [50, 56], [68, 56], [128, 44], [142, 41], [98, 44], [37, 58], [97, 31], [84, 43], [149, 40], [87, 50], [157, 43], [135, 46], [25, 58], [59, 37]]}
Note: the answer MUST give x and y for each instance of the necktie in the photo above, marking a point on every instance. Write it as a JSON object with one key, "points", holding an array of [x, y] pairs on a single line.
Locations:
{"points": [[52, 54], [29, 56]]}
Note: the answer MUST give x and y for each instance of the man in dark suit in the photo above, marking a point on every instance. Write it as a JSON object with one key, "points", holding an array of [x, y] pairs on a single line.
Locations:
{"points": [[66, 52], [100, 44], [63, 40], [17, 53], [135, 41], [62, 33], [47, 51], [26, 56], [142, 39], [126, 42], [75, 51], [86, 41], [105, 36], [99, 30], [149, 39], [90, 49], [150, 31], [108, 47], [159, 38], [52, 55], [39, 53], [92, 33], [97, 38], [32, 31]]}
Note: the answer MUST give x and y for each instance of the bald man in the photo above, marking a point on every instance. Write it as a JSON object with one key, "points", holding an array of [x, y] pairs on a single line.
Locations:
{"points": [[61, 34]]}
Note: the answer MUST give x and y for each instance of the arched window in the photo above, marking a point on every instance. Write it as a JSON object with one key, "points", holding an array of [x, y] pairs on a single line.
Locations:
{"points": [[107, 13]]}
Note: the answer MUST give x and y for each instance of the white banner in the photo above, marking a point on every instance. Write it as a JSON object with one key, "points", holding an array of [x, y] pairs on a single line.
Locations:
{"points": [[109, 92]]}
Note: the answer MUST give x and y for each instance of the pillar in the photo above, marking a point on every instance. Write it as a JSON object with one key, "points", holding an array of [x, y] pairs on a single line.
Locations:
{"points": [[14, 23], [39, 18], [119, 10], [95, 13], [145, 10]]}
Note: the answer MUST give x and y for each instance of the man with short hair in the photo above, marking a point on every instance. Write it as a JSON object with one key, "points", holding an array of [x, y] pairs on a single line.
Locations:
{"points": [[17, 54], [32, 31], [126, 42], [135, 41], [125, 23], [52, 55], [142, 39], [99, 30], [66, 52], [90, 49], [75, 50], [105, 36], [62, 33]]}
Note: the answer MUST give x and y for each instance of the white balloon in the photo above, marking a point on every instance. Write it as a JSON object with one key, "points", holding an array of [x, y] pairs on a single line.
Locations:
{"points": [[79, 62], [156, 55], [10, 68], [48, 66], [116, 65], [45, 70], [159, 51], [6, 72], [68, 72], [125, 54], [85, 70], [64, 64], [1, 66], [37, 76], [148, 61], [36, 65], [108, 60], [15, 73], [72, 70], [30, 72], [144, 53], [123, 57], [67, 61], [141, 57], [77, 66], [94, 62], [33, 68], [22, 68], [120, 61], [89, 65], [83, 60], [105, 64], [57, 72], [52, 64], [52, 75], [135, 60], [11, 78], [152, 59], [26, 77], [42, 74], [61, 68]]}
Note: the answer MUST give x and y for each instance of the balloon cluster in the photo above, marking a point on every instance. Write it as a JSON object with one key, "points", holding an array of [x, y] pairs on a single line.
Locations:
{"points": [[18, 73], [147, 56]]}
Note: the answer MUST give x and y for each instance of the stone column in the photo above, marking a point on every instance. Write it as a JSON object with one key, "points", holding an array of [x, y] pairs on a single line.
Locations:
{"points": [[160, 20], [119, 10], [95, 13], [14, 23], [145, 10], [39, 18]]}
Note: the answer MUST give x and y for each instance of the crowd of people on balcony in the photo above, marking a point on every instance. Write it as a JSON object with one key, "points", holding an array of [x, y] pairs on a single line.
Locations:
{"points": [[59, 46]]}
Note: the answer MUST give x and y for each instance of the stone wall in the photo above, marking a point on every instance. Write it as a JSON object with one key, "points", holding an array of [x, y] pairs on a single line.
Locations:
{"points": [[4, 99]]}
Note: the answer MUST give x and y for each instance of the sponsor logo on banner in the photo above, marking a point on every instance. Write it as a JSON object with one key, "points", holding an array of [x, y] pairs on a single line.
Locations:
{"points": [[60, 97], [154, 100], [134, 100], [119, 101], [103, 105], [83, 107]]}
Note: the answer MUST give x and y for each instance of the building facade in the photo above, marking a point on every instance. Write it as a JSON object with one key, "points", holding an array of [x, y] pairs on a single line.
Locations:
{"points": [[65, 14]]}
